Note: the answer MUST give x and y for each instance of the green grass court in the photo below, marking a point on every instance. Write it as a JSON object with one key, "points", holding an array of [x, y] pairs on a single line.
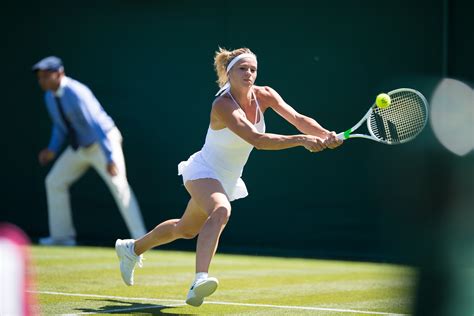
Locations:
{"points": [[86, 280]]}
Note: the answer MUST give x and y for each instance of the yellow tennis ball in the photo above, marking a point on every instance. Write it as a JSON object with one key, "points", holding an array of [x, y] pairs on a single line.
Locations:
{"points": [[383, 100]]}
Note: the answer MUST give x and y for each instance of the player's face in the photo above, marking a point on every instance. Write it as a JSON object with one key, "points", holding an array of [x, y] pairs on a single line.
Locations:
{"points": [[48, 80], [244, 73]]}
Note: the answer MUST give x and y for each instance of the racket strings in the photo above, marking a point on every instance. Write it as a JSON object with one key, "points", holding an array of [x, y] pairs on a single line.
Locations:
{"points": [[402, 120]]}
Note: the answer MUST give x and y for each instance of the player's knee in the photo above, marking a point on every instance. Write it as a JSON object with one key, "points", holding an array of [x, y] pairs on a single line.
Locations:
{"points": [[180, 231], [221, 214], [188, 234]]}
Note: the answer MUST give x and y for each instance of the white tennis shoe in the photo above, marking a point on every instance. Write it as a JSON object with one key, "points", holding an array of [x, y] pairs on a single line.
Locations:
{"points": [[201, 289], [128, 259]]}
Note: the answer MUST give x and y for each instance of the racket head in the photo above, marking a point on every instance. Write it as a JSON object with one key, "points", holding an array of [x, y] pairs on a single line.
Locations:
{"points": [[402, 121]]}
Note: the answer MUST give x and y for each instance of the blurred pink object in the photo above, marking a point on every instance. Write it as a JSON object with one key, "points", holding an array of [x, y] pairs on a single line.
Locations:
{"points": [[16, 278]]}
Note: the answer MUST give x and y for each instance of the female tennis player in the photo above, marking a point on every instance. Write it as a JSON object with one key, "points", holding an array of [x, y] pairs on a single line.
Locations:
{"points": [[212, 175]]}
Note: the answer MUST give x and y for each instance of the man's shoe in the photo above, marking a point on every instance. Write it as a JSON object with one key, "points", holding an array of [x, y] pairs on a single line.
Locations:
{"points": [[201, 289], [51, 241], [128, 259]]}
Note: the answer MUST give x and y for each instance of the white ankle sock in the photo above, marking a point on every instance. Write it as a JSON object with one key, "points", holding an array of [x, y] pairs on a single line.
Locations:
{"points": [[201, 275], [132, 249]]}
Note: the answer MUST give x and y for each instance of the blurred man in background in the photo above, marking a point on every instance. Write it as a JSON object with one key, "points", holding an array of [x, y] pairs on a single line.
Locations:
{"points": [[93, 141]]}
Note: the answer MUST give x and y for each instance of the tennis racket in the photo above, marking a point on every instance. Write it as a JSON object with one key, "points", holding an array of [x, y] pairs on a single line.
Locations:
{"points": [[399, 123]]}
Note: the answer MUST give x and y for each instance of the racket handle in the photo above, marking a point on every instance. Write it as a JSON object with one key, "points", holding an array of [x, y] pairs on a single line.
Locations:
{"points": [[344, 135]]}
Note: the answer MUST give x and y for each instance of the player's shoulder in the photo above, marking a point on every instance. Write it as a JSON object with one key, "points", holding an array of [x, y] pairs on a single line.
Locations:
{"points": [[222, 101], [263, 90], [266, 95]]}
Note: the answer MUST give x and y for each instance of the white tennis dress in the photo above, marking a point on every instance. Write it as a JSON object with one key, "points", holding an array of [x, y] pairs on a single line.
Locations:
{"points": [[223, 158]]}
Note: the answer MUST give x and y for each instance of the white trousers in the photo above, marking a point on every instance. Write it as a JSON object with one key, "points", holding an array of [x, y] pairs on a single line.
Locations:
{"points": [[70, 166]]}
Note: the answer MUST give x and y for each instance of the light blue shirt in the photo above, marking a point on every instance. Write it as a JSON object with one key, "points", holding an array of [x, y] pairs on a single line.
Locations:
{"points": [[85, 114]]}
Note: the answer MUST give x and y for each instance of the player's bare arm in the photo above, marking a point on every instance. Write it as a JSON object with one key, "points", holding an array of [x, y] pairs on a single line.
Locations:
{"points": [[303, 123], [226, 114]]}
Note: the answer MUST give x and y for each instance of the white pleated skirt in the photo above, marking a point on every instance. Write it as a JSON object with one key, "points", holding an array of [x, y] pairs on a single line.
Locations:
{"points": [[196, 167]]}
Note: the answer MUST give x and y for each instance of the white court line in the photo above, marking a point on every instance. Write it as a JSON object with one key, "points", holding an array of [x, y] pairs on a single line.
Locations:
{"points": [[216, 303]]}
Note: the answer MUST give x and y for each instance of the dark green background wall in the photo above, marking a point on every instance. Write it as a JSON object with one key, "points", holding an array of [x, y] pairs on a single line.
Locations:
{"points": [[150, 65]]}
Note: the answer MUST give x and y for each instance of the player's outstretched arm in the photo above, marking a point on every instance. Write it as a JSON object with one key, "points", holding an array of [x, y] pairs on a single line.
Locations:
{"points": [[231, 117], [303, 123]]}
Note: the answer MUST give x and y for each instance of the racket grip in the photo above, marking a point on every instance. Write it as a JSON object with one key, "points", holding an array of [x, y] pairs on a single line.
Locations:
{"points": [[344, 135]]}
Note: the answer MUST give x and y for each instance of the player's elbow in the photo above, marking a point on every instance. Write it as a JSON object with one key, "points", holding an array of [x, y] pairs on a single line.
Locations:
{"points": [[258, 146], [257, 141]]}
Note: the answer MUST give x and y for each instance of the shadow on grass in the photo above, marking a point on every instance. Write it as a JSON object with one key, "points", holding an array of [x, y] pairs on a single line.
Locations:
{"points": [[123, 307]]}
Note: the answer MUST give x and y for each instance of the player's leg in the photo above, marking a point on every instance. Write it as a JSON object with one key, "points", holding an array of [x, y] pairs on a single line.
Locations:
{"points": [[188, 226], [209, 196], [118, 185], [66, 170], [130, 251]]}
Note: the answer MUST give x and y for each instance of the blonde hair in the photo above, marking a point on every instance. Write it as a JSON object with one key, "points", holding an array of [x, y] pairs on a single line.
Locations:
{"points": [[222, 58]]}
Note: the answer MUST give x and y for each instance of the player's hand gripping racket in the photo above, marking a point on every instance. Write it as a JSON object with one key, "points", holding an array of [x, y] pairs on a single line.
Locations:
{"points": [[398, 123]]}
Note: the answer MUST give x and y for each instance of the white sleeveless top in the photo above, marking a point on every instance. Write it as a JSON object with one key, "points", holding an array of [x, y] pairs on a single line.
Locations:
{"points": [[223, 158]]}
